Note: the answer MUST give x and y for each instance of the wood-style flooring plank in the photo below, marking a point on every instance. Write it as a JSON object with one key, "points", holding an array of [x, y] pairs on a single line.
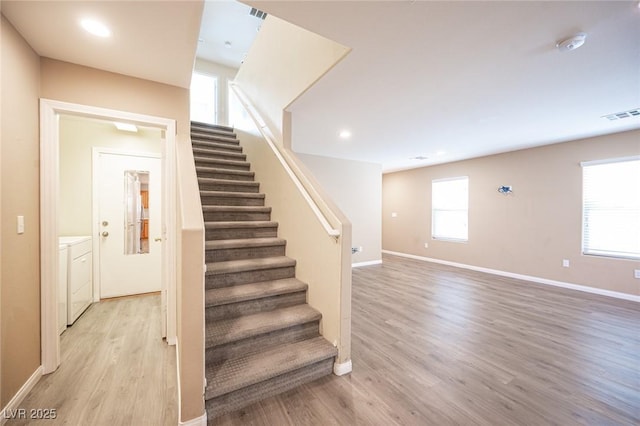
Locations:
{"points": [[115, 369], [438, 345]]}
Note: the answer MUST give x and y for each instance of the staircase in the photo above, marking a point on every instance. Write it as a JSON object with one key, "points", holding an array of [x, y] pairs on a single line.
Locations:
{"points": [[262, 338]]}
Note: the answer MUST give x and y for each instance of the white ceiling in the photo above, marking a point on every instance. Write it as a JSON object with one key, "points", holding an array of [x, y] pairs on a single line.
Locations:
{"points": [[153, 40], [455, 80], [446, 80], [226, 21]]}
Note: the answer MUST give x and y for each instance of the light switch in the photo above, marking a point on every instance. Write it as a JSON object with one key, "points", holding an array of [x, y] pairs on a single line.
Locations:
{"points": [[394, 214], [20, 224]]}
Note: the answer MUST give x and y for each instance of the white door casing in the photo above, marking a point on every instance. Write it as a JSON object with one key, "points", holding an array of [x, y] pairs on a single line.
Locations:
{"points": [[50, 111], [123, 274]]}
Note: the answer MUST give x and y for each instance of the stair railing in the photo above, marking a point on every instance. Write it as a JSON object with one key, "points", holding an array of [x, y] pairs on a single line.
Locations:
{"points": [[288, 164]]}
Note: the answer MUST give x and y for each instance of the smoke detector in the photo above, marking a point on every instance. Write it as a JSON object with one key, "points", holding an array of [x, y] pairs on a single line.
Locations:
{"points": [[572, 43]]}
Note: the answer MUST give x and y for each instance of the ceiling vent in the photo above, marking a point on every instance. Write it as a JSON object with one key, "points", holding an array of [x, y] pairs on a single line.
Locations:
{"points": [[623, 114], [258, 13]]}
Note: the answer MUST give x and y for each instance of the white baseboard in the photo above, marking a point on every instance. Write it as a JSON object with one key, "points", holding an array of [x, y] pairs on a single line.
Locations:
{"points": [[368, 263], [342, 368], [198, 421], [538, 280], [17, 399]]}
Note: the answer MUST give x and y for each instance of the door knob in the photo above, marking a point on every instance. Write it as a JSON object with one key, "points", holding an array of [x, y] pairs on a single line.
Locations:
{"points": [[105, 234]]}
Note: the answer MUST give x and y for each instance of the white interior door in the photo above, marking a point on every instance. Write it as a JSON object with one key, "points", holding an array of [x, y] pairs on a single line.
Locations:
{"points": [[129, 263]]}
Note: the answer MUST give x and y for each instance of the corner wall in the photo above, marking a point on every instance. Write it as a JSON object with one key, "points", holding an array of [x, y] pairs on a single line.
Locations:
{"points": [[528, 232], [356, 188], [19, 195]]}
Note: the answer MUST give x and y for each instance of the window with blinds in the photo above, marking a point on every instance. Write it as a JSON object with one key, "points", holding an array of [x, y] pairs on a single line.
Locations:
{"points": [[450, 209], [611, 208]]}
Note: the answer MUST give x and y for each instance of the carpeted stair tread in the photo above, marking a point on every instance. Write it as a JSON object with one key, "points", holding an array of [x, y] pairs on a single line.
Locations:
{"points": [[241, 293], [221, 161], [228, 194], [242, 224], [245, 371], [233, 266], [216, 145], [244, 327], [212, 152], [244, 243], [239, 173], [206, 136], [209, 126], [238, 209], [248, 184]]}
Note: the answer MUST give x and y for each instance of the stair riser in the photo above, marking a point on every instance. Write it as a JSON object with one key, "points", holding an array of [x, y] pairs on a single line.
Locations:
{"points": [[227, 147], [219, 155], [239, 233], [231, 187], [218, 200], [221, 164], [238, 278], [263, 342], [236, 216], [254, 306], [213, 132], [241, 398], [214, 138], [223, 175], [223, 255]]}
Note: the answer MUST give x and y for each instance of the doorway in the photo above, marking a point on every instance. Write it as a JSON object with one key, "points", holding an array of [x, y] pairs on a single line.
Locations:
{"points": [[127, 219], [50, 112]]}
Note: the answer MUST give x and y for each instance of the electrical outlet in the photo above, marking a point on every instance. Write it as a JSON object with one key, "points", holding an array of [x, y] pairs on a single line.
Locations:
{"points": [[359, 249], [426, 245], [394, 214], [565, 263], [636, 273]]}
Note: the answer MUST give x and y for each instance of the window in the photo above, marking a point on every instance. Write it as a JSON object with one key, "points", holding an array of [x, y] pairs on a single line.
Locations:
{"points": [[204, 95], [450, 209], [611, 208]]}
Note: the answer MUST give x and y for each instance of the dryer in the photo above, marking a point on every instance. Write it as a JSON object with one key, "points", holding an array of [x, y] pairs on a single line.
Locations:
{"points": [[79, 275]]}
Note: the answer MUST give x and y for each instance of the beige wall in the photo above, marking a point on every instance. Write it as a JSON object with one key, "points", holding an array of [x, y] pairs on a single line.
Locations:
{"points": [[19, 158], [283, 62], [528, 232], [78, 137], [225, 75], [62, 81], [356, 188]]}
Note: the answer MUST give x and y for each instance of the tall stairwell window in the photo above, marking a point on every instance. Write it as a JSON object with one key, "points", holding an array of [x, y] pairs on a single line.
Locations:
{"points": [[611, 208], [204, 98], [450, 209]]}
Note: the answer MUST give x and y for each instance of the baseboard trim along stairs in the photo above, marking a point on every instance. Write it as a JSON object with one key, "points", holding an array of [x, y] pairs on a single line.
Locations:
{"points": [[261, 337]]}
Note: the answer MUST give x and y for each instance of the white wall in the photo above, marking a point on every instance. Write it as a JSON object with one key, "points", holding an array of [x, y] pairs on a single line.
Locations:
{"points": [[225, 75], [356, 188], [78, 136]]}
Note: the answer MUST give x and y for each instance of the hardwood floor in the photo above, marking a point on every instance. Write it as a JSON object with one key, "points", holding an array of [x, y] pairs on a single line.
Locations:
{"points": [[115, 370], [436, 345]]}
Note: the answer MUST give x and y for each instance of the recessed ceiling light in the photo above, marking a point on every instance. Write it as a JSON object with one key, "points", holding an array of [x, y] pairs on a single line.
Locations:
{"points": [[345, 134], [96, 28], [419, 157], [125, 126], [441, 153], [227, 44]]}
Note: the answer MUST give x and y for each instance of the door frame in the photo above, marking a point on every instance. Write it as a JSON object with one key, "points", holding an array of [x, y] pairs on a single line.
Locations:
{"points": [[96, 216], [50, 111]]}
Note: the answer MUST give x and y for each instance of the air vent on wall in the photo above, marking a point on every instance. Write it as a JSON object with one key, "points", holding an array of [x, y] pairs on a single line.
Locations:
{"points": [[258, 13], [623, 114]]}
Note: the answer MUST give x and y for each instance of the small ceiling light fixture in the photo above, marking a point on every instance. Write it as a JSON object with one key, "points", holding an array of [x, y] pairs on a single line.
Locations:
{"points": [[96, 28], [419, 157], [227, 44], [572, 43], [126, 127], [441, 153], [345, 134]]}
